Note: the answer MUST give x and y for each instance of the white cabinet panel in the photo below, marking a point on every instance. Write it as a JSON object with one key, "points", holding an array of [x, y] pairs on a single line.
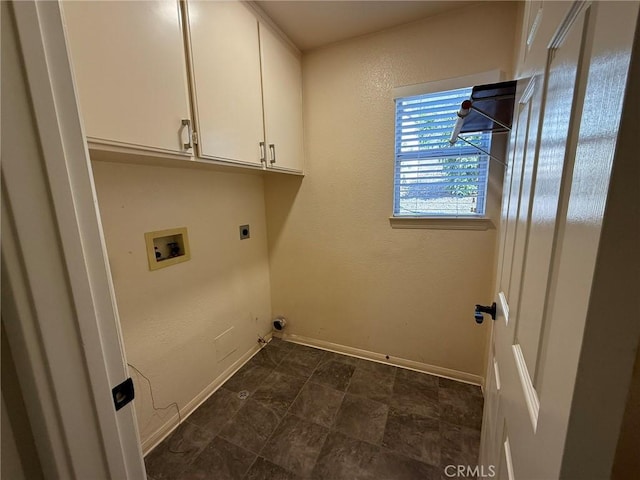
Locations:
{"points": [[226, 81], [130, 72], [282, 89], [137, 86]]}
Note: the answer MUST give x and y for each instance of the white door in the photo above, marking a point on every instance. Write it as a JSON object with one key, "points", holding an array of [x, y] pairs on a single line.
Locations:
{"points": [[58, 305], [282, 87], [561, 148], [225, 74], [131, 73]]}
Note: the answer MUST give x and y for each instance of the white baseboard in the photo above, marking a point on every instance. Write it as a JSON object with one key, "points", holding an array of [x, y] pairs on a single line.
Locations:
{"points": [[381, 358], [172, 423]]}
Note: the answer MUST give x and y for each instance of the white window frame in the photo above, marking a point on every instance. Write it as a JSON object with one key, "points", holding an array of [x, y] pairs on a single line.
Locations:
{"points": [[437, 221]]}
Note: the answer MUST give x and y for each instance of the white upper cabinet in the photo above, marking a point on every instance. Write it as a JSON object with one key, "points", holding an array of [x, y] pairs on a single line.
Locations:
{"points": [[226, 81], [139, 75], [282, 98], [130, 73]]}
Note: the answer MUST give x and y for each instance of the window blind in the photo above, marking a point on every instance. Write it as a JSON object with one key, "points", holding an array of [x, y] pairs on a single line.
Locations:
{"points": [[433, 178]]}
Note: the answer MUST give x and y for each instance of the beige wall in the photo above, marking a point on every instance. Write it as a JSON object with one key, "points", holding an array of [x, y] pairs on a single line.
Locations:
{"points": [[627, 460], [171, 317], [338, 270]]}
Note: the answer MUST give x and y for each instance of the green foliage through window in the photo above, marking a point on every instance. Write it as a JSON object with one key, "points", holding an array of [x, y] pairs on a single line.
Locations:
{"points": [[431, 176]]}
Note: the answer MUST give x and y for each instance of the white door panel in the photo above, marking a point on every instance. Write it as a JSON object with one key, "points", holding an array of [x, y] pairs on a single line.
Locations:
{"points": [[562, 144], [517, 353], [551, 165], [492, 421], [514, 198], [504, 208], [505, 471], [530, 106]]}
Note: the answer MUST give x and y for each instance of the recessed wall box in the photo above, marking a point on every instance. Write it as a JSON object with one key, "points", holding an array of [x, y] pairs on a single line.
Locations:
{"points": [[167, 247]]}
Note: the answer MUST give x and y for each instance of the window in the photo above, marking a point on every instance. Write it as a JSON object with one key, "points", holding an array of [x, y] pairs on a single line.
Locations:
{"points": [[433, 178]]}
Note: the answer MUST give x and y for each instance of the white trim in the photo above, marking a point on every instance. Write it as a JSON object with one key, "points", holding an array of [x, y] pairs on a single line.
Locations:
{"points": [[381, 358], [504, 306], [103, 144], [534, 26], [90, 331], [443, 223], [285, 171], [114, 154], [107, 151], [28, 354], [496, 372], [117, 155], [565, 27], [262, 17], [508, 459], [172, 423], [528, 92], [290, 171], [455, 83], [530, 394]]}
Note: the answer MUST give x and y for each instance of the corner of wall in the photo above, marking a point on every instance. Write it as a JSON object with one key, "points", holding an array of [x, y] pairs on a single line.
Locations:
{"points": [[185, 325]]}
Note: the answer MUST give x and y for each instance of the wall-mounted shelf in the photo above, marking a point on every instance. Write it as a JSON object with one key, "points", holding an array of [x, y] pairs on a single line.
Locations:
{"points": [[167, 247]]}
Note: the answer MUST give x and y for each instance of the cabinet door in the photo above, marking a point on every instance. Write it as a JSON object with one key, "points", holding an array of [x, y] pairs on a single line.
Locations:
{"points": [[226, 81], [130, 71], [282, 94]]}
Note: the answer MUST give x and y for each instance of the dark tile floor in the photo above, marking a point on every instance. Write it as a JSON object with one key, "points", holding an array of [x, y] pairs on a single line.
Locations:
{"points": [[313, 414]]}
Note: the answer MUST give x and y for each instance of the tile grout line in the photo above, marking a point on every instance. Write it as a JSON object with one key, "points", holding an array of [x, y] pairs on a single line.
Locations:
{"points": [[331, 428], [289, 350], [308, 380], [294, 400], [287, 353], [323, 360], [217, 435], [386, 423]]}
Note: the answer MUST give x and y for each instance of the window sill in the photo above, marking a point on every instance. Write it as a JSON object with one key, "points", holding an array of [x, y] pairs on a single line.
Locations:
{"points": [[442, 223]]}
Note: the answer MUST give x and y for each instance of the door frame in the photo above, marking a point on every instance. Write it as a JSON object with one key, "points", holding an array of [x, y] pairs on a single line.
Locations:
{"points": [[58, 300]]}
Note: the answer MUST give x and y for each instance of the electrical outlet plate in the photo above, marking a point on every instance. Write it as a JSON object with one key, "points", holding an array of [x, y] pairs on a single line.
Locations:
{"points": [[245, 232]]}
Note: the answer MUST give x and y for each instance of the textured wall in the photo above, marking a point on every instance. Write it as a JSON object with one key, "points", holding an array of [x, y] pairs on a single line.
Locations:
{"points": [[171, 317], [339, 272], [627, 461]]}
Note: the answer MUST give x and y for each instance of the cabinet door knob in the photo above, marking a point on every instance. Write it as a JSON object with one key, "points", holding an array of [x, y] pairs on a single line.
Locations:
{"points": [[187, 123], [272, 148], [263, 154]]}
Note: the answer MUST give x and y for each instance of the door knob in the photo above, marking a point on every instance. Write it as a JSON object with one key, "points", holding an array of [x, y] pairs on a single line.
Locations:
{"points": [[481, 310]]}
